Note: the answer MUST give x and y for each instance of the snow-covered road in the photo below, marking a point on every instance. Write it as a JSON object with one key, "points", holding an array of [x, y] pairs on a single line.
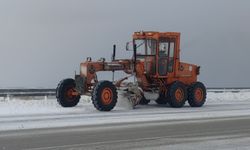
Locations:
{"points": [[27, 114]]}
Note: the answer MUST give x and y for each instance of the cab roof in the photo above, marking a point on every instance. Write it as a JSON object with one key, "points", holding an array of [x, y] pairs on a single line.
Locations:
{"points": [[155, 34]]}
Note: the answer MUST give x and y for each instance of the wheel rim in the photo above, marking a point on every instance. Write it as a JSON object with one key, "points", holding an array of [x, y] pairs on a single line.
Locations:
{"points": [[179, 95], [69, 94], [107, 96], [198, 94]]}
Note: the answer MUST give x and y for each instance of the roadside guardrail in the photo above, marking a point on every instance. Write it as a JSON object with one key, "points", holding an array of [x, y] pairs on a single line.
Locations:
{"points": [[26, 92], [52, 92]]}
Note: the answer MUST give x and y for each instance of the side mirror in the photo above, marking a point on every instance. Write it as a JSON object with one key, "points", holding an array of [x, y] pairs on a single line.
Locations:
{"points": [[128, 46], [134, 50]]}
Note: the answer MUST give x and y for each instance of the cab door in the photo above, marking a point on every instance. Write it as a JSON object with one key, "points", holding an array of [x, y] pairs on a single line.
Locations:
{"points": [[165, 56]]}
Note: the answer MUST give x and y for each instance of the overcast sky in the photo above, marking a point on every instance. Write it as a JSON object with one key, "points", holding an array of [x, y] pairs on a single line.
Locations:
{"points": [[44, 41]]}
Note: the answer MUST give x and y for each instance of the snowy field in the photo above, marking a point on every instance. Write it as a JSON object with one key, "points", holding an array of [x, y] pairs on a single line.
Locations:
{"points": [[25, 114]]}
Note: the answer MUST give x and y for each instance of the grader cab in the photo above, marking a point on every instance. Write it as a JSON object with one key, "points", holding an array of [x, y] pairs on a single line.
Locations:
{"points": [[157, 71]]}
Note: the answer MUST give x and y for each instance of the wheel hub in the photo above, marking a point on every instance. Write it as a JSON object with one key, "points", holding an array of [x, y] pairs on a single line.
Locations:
{"points": [[179, 95], [107, 96], [71, 94], [198, 94]]}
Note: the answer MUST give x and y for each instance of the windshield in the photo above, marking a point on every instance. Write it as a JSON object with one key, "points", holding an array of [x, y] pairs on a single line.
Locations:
{"points": [[145, 46]]}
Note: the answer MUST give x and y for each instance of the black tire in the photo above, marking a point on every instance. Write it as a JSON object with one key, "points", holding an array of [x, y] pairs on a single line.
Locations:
{"points": [[144, 101], [197, 94], [177, 95], [61, 93], [104, 96], [161, 100]]}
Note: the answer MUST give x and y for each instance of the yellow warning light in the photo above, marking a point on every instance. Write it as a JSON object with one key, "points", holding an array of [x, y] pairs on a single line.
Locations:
{"points": [[137, 33], [150, 33]]}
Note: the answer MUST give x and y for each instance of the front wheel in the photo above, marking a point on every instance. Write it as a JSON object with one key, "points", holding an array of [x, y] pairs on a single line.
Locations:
{"points": [[104, 96], [66, 93]]}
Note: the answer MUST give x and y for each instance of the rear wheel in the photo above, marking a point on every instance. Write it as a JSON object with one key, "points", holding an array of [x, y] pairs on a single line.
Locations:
{"points": [[104, 96], [197, 94], [161, 100], [177, 95], [66, 93]]}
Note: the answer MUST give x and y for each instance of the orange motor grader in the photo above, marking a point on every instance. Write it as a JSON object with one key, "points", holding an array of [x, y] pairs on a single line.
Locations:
{"points": [[156, 70]]}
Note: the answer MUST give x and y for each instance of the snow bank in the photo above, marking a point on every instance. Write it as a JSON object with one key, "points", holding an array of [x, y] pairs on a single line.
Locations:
{"points": [[18, 114], [227, 97], [43, 106], [50, 106]]}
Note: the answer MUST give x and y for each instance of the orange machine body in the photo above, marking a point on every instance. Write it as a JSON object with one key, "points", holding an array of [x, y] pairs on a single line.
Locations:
{"points": [[157, 71], [157, 65]]}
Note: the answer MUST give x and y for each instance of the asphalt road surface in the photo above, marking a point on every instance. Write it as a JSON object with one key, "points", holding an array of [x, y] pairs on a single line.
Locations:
{"points": [[210, 133]]}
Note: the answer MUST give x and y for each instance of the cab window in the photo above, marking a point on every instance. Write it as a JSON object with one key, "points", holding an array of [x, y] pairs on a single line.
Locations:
{"points": [[163, 49], [145, 46]]}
